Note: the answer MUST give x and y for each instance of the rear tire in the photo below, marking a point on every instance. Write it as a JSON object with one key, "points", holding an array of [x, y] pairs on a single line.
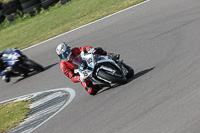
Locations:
{"points": [[33, 65], [114, 79]]}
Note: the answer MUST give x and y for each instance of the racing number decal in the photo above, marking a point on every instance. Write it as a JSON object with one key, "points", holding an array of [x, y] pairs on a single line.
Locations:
{"points": [[89, 60], [85, 73]]}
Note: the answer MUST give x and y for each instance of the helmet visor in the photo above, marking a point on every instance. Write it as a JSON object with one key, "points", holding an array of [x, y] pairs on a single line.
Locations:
{"points": [[65, 55]]}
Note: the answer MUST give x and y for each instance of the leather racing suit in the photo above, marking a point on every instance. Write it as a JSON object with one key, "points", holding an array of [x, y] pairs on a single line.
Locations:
{"points": [[68, 69]]}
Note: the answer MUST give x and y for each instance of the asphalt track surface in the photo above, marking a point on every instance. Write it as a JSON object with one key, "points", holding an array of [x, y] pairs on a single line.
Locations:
{"points": [[161, 41]]}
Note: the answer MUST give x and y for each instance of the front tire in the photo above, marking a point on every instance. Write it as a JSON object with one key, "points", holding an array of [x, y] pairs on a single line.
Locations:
{"points": [[114, 79], [130, 70]]}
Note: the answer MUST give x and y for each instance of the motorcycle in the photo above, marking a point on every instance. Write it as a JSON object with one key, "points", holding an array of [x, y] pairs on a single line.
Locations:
{"points": [[102, 69], [17, 64]]}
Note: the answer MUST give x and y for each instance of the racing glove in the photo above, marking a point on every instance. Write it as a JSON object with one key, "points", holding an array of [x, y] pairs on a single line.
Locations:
{"points": [[91, 51], [100, 51]]}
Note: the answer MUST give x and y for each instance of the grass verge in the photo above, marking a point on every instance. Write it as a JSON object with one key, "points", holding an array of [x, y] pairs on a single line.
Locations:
{"points": [[57, 20], [12, 113]]}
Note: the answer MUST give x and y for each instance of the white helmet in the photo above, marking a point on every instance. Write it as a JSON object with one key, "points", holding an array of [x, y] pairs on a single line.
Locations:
{"points": [[63, 51]]}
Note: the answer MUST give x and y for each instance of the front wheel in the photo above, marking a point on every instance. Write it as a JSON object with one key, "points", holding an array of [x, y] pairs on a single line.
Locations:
{"points": [[109, 77], [130, 70], [33, 66]]}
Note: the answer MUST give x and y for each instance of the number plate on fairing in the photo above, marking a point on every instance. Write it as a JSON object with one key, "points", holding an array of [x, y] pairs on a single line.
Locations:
{"points": [[84, 74]]}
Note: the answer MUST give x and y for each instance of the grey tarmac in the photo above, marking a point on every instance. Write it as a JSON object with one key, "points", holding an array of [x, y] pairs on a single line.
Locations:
{"points": [[160, 40]]}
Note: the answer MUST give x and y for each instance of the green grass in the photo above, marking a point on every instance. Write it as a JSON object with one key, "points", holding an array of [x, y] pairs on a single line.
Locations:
{"points": [[11, 114], [4, 1], [57, 20]]}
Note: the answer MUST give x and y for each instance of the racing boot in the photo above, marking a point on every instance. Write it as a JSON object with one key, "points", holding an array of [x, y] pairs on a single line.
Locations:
{"points": [[98, 87], [90, 88], [5, 75], [6, 78], [94, 89], [114, 56]]}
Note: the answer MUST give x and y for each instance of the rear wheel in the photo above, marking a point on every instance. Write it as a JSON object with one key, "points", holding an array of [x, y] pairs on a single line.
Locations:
{"points": [[33, 66]]}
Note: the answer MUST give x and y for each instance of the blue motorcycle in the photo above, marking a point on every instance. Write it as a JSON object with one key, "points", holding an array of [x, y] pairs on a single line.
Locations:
{"points": [[17, 64]]}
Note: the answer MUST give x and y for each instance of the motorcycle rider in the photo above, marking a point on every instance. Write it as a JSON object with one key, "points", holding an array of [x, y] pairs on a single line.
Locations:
{"points": [[4, 68], [66, 54]]}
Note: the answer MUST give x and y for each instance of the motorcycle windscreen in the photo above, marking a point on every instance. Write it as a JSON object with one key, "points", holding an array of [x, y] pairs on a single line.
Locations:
{"points": [[77, 60]]}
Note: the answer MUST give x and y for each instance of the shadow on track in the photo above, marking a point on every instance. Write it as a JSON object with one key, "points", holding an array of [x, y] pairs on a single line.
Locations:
{"points": [[137, 75], [34, 73], [141, 73], [50, 66]]}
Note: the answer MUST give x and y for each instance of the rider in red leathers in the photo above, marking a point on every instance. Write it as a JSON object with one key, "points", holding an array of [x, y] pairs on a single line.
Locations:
{"points": [[67, 55]]}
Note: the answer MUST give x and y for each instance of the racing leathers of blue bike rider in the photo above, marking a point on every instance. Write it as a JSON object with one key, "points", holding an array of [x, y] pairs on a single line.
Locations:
{"points": [[4, 68]]}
